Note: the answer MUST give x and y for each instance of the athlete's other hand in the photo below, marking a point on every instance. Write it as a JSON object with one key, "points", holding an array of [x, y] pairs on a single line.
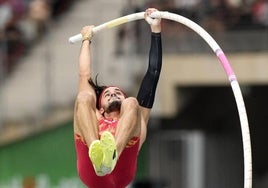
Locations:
{"points": [[155, 23], [87, 33]]}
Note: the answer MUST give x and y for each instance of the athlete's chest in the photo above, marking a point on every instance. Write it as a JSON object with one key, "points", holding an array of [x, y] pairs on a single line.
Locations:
{"points": [[107, 125]]}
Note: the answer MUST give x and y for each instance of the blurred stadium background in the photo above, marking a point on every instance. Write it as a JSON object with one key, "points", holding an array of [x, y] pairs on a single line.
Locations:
{"points": [[194, 137]]}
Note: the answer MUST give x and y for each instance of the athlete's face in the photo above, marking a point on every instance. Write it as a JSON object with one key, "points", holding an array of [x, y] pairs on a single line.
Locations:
{"points": [[111, 99]]}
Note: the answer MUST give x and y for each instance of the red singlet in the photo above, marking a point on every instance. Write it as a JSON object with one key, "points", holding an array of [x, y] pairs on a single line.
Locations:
{"points": [[126, 166]]}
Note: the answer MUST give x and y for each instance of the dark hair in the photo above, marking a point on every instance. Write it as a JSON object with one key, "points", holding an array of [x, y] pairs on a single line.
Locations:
{"points": [[98, 88]]}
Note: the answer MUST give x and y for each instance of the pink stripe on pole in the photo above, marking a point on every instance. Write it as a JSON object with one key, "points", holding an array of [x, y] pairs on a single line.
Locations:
{"points": [[226, 65]]}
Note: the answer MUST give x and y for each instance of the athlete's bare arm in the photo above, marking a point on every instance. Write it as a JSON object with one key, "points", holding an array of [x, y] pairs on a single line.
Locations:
{"points": [[85, 120]]}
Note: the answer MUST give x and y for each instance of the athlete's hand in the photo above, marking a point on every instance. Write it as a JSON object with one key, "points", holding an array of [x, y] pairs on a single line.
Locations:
{"points": [[155, 23], [87, 33]]}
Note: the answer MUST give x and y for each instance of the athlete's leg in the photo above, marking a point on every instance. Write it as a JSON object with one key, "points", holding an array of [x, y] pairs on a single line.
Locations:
{"points": [[85, 120], [127, 128], [85, 125], [126, 167], [129, 123]]}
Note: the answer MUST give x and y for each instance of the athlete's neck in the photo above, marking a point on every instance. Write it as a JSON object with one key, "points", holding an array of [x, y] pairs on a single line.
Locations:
{"points": [[112, 115]]}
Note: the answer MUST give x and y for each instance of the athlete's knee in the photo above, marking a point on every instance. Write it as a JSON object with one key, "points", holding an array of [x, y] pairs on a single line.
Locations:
{"points": [[87, 98], [130, 103]]}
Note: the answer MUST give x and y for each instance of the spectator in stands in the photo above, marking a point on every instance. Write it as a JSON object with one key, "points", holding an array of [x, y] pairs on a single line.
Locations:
{"points": [[260, 12], [11, 37], [5, 14], [39, 12]]}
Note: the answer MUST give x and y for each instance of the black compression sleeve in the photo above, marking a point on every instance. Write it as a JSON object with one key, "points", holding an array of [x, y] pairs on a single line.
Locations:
{"points": [[148, 86]]}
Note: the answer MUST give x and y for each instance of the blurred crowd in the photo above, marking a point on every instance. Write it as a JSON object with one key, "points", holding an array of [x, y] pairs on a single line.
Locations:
{"points": [[23, 23], [219, 15], [227, 18]]}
